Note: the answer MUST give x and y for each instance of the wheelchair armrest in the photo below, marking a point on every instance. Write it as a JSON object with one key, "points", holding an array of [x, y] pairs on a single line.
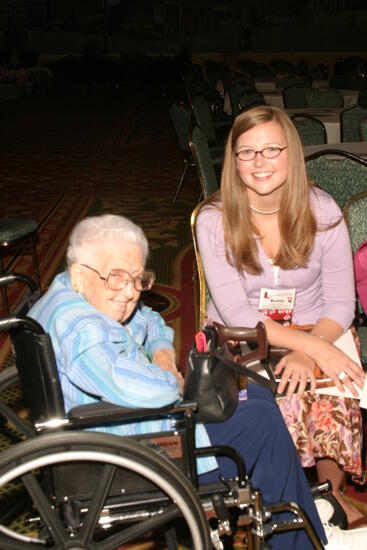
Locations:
{"points": [[103, 412]]}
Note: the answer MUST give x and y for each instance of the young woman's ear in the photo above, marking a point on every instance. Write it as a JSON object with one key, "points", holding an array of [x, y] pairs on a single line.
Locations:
{"points": [[77, 278]]}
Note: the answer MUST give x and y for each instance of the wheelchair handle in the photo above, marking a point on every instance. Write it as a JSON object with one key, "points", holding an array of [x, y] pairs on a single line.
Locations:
{"points": [[9, 278], [11, 323]]}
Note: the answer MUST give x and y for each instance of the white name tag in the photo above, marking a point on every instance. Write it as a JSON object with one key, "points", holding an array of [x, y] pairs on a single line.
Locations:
{"points": [[278, 304]]}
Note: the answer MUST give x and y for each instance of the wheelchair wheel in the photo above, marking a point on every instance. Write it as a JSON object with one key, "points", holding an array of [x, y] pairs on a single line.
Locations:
{"points": [[14, 425], [74, 522]]}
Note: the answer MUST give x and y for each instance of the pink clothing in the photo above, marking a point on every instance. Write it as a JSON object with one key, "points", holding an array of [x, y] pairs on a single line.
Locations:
{"points": [[324, 289]]}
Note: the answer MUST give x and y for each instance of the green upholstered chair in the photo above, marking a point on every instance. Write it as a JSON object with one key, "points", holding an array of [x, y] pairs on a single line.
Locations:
{"points": [[355, 215], [203, 161], [17, 237], [311, 130], [234, 92], [250, 98], [339, 173], [294, 96], [363, 129], [203, 118], [182, 120], [349, 122], [329, 97]]}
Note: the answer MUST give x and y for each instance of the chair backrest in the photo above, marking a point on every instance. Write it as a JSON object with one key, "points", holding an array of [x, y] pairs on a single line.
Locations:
{"points": [[318, 97], [203, 160], [363, 129], [250, 98], [234, 93], [355, 213], [294, 96], [182, 122], [36, 364], [349, 122], [204, 295], [339, 173], [203, 118], [311, 130], [355, 216], [286, 80]]}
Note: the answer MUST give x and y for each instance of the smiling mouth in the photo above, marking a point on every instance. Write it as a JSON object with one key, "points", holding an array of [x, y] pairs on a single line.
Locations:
{"points": [[262, 175]]}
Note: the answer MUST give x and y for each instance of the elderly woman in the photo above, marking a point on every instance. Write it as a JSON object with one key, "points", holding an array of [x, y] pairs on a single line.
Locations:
{"points": [[109, 346]]}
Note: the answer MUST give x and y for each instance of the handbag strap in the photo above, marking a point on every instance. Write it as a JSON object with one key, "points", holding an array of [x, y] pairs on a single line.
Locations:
{"points": [[269, 383]]}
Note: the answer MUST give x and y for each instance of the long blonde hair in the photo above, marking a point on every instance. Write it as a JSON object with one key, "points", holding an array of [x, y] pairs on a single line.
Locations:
{"points": [[297, 224]]}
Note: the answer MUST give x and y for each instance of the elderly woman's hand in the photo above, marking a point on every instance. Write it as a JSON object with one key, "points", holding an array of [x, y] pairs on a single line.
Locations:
{"points": [[165, 358], [333, 362], [297, 369]]}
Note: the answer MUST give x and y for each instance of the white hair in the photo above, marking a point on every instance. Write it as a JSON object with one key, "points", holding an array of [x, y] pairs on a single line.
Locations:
{"points": [[96, 233]]}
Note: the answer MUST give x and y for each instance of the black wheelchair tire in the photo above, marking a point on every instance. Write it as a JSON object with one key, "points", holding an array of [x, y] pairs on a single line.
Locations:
{"points": [[20, 461]]}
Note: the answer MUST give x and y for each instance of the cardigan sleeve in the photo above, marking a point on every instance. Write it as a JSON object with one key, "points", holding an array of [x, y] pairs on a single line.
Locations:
{"points": [[229, 299]]}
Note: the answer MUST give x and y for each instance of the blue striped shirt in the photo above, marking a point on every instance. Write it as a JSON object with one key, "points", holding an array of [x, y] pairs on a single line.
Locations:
{"points": [[101, 359]]}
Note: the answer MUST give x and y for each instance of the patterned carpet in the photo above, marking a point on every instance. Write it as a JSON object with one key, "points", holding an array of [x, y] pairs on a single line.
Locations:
{"points": [[65, 157]]}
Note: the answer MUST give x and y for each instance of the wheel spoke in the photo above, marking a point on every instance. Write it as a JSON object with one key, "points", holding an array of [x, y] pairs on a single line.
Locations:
{"points": [[43, 505], [132, 533], [97, 502]]}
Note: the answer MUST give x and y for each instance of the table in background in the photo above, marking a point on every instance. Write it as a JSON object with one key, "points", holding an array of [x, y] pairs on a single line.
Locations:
{"points": [[276, 98], [329, 117], [358, 148]]}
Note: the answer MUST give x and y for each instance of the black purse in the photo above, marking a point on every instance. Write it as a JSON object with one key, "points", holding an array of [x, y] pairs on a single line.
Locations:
{"points": [[212, 377]]}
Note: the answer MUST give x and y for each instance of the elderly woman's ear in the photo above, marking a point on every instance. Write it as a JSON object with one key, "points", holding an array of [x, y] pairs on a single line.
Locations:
{"points": [[77, 278]]}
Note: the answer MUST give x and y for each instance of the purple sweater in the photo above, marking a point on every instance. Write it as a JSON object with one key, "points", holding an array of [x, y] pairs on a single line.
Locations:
{"points": [[324, 289]]}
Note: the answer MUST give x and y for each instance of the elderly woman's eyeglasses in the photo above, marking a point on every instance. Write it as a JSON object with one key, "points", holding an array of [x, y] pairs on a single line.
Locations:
{"points": [[271, 152], [118, 279]]}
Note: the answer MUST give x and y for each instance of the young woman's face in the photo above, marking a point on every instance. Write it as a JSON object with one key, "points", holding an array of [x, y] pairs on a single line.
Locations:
{"points": [[263, 177]]}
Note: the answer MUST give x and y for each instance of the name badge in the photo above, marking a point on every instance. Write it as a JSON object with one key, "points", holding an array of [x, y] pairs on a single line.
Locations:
{"points": [[278, 304]]}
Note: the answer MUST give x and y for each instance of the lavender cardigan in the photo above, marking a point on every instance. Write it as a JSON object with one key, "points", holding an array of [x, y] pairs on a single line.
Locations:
{"points": [[324, 289]]}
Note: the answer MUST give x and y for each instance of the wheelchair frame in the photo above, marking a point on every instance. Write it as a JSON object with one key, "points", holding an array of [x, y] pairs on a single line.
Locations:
{"points": [[86, 489]]}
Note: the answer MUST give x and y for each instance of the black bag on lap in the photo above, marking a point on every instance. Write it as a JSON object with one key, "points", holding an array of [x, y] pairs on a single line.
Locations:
{"points": [[213, 378]]}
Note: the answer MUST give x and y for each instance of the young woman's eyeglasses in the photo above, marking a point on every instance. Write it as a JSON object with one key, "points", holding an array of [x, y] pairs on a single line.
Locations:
{"points": [[118, 279], [271, 152]]}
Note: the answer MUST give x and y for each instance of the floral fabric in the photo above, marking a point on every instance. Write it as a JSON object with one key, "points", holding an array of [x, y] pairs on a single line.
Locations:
{"points": [[325, 426]]}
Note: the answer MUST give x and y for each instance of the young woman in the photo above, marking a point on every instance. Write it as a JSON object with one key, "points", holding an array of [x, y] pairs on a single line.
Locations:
{"points": [[270, 236]]}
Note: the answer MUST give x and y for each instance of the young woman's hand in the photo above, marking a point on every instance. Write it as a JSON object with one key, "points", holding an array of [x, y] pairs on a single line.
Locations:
{"points": [[296, 369], [333, 362]]}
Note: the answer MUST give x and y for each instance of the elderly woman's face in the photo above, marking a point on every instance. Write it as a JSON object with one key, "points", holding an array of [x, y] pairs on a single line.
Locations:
{"points": [[117, 304]]}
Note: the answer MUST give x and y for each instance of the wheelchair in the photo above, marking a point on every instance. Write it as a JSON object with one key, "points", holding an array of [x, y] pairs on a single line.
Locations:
{"points": [[66, 486]]}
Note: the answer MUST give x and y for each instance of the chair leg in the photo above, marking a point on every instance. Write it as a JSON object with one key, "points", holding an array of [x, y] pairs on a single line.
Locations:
{"points": [[3, 289], [181, 182], [35, 261]]}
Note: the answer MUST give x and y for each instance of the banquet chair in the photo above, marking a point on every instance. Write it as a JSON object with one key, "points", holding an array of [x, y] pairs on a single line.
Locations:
{"points": [[349, 122], [234, 93], [182, 119], [311, 130], [17, 237], [294, 96], [210, 123], [203, 162], [329, 97], [363, 129], [204, 294], [69, 486], [249, 99], [355, 211], [339, 173]]}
